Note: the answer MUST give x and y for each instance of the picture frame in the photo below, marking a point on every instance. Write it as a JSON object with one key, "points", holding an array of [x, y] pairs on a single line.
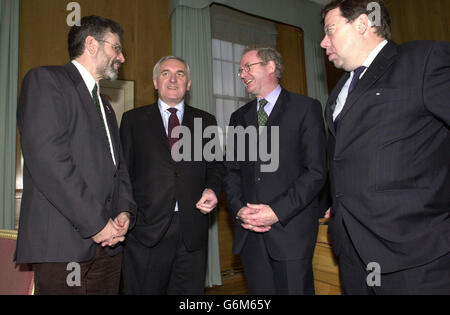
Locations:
{"points": [[120, 93]]}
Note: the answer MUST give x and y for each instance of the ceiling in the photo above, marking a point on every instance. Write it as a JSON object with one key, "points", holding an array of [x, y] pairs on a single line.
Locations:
{"points": [[321, 2]]}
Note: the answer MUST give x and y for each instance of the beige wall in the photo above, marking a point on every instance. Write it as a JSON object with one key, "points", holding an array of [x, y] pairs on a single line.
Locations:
{"points": [[148, 37]]}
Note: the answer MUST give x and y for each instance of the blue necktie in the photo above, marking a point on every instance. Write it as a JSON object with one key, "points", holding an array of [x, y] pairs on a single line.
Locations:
{"points": [[356, 74]]}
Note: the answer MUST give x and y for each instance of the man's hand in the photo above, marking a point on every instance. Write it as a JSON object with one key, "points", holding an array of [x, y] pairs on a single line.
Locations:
{"points": [[114, 231], [327, 214], [207, 202], [257, 218], [109, 235]]}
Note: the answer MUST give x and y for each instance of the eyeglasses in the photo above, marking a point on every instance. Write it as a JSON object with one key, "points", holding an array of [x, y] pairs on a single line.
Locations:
{"points": [[116, 47], [248, 67], [329, 29]]}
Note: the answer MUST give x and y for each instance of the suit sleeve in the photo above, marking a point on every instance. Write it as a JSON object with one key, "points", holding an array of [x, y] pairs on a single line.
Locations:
{"points": [[436, 91], [214, 169], [311, 181], [232, 180], [126, 202], [43, 118]]}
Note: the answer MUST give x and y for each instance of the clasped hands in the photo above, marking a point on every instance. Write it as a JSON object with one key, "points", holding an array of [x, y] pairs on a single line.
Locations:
{"points": [[114, 231], [257, 218]]}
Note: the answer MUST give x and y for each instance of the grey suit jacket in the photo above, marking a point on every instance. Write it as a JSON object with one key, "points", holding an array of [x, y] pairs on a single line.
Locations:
{"points": [[71, 185]]}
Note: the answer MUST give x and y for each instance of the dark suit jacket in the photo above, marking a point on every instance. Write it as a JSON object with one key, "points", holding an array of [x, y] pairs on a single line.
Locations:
{"points": [[71, 186], [158, 181], [390, 158], [291, 191]]}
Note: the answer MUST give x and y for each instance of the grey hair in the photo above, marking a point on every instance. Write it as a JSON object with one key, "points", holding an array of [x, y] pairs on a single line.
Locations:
{"points": [[157, 67], [268, 54]]}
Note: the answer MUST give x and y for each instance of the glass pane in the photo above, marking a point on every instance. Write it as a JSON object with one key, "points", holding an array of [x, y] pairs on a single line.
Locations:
{"points": [[227, 79], [219, 112], [238, 49], [229, 106], [240, 89], [226, 49], [217, 77], [216, 48]]}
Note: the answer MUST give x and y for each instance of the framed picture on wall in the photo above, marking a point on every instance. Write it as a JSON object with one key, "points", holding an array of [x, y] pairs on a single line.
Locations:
{"points": [[120, 94]]}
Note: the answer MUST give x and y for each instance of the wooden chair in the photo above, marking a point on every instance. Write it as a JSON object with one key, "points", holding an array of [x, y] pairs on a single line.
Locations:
{"points": [[15, 279]]}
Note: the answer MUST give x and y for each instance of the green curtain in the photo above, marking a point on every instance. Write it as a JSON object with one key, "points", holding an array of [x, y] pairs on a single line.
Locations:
{"points": [[191, 41], [9, 42]]}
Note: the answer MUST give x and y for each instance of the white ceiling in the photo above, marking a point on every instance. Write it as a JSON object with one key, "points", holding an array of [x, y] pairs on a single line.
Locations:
{"points": [[321, 2]]}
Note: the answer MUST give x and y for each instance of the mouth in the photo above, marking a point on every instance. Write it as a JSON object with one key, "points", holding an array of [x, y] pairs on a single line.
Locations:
{"points": [[247, 82], [174, 88]]}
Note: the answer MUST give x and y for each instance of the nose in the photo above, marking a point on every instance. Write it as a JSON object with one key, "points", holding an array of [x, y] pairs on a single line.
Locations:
{"points": [[121, 57], [325, 42]]}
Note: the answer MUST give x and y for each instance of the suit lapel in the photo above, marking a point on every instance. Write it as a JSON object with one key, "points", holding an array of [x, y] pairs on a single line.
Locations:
{"points": [[89, 105], [250, 116], [379, 66], [155, 123], [279, 107], [332, 101]]}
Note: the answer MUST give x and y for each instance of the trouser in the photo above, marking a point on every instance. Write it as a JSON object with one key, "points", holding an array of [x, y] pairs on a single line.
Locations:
{"points": [[100, 275]]}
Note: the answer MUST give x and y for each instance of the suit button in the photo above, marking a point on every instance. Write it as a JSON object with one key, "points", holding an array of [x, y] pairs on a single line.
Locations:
{"points": [[339, 196], [258, 179]]}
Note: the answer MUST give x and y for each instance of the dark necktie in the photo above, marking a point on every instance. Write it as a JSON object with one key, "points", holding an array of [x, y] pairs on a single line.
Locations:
{"points": [[97, 105], [173, 122], [262, 115], [356, 74]]}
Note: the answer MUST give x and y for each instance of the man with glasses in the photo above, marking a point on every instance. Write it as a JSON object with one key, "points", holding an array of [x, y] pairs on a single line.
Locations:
{"points": [[389, 154], [77, 201], [275, 213]]}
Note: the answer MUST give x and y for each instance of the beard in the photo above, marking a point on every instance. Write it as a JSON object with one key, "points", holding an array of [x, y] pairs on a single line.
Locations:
{"points": [[107, 70], [105, 67]]}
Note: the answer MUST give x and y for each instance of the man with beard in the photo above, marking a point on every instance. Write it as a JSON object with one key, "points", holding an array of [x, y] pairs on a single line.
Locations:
{"points": [[77, 202]]}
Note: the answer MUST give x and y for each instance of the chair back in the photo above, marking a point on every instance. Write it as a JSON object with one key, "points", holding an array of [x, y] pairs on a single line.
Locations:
{"points": [[15, 279]]}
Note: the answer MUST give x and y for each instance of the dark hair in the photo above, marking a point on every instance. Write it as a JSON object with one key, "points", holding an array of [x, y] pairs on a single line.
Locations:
{"points": [[352, 9], [94, 26]]}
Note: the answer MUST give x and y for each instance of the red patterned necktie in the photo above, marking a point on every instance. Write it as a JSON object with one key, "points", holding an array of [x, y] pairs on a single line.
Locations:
{"points": [[173, 122]]}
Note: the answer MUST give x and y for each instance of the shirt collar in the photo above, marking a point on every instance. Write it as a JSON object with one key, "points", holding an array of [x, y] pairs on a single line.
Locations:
{"points": [[272, 97], [374, 54], [163, 107], [86, 75]]}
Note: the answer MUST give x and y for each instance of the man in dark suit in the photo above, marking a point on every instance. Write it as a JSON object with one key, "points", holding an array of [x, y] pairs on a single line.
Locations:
{"points": [[77, 198], [275, 210], [389, 154], [166, 251]]}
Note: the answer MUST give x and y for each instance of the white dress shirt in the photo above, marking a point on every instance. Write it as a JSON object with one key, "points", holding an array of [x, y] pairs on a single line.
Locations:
{"points": [[342, 97], [165, 114], [90, 83]]}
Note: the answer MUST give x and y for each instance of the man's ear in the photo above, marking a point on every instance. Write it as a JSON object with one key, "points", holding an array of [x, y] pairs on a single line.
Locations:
{"points": [[91, 45], [272, 66], [188, 87], [155, 84], [362, 23]]}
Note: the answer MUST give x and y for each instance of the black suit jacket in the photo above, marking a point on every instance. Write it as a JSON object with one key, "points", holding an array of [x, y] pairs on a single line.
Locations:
{"points": [[291, 190], [71, 185], [158, 181], [390, 158]]}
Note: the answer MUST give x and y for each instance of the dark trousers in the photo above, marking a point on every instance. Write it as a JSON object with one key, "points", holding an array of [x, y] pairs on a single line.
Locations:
{"points": [[167, 268], [266, 276], [432, 278], [100, 275]]}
